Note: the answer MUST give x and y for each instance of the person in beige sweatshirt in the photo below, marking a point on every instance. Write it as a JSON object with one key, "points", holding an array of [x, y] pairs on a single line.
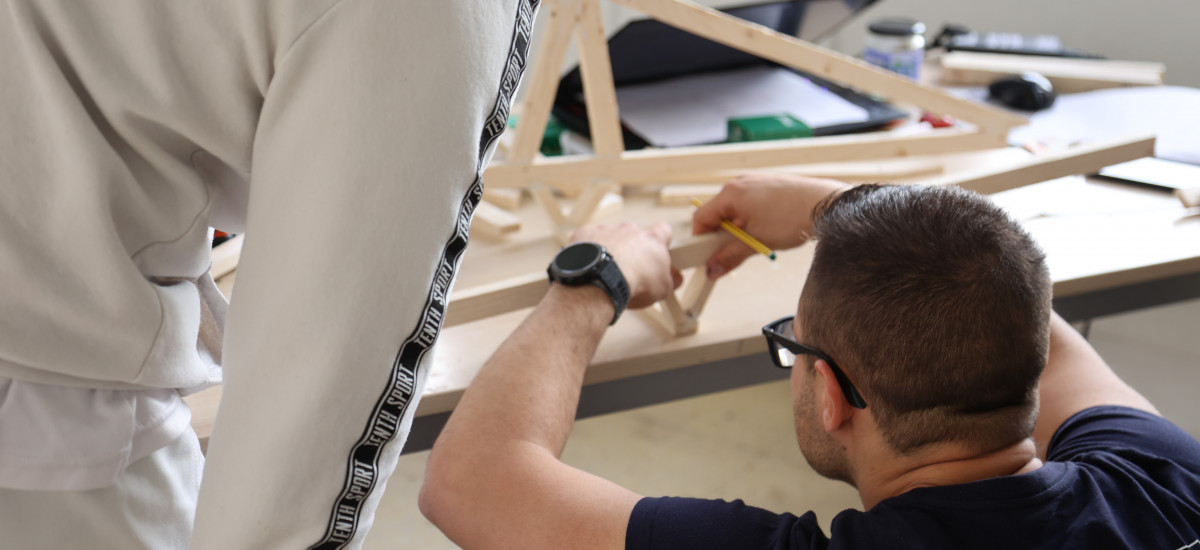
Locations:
{"points": [[346, 139]]}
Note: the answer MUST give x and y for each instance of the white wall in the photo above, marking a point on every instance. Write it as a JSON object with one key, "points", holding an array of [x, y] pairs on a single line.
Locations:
{"points": [[1147, 30]]}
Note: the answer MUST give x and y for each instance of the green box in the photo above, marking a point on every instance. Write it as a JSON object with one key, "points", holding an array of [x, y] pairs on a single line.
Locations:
{"points": [[761, 128], [551, 139]]}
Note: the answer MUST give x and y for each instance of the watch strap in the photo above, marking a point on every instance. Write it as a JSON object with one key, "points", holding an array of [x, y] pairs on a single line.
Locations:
{"points": [[612, 281]]}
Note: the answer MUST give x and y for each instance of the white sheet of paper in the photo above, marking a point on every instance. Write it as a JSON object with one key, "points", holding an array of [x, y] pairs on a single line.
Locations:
{"points": [[1170, 112], [693, 110]]}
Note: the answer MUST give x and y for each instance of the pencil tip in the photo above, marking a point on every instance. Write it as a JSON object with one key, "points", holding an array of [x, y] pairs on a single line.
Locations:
{"points": [[772, 256]]}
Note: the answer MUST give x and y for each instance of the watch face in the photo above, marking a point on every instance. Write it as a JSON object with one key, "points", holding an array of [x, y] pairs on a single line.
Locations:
{"points": [[578, 258]]}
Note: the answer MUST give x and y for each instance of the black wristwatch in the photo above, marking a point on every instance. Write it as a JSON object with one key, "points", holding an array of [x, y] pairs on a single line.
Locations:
{"points": [[587, 263]]}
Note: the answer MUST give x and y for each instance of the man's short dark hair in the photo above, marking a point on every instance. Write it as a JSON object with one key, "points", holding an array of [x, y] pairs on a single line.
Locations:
{"points": [[938, 306]]}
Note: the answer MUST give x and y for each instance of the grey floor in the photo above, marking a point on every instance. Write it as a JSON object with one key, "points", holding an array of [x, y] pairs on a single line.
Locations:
{"points": [[740, 444]]}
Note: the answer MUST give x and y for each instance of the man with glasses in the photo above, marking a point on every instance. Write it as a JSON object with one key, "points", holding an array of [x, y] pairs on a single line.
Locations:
{"points": [[928, 371]]}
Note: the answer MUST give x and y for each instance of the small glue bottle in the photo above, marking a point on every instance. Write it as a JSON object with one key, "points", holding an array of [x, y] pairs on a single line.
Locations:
{"points": [[896, 44]]}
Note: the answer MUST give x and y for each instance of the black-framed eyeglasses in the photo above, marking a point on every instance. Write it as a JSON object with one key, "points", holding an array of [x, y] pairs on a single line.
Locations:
{"points": [[784, 351]]}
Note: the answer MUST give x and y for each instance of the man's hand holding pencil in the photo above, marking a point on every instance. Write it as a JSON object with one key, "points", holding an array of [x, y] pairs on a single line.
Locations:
{"points": [[774, 210]]}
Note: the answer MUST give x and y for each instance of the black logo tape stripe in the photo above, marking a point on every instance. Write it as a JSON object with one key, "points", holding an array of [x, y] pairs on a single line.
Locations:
{"points": [[363, 466]]}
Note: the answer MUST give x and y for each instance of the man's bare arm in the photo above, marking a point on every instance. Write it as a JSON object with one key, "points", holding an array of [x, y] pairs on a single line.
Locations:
{"points": [[494, 478], [1077, 378]]}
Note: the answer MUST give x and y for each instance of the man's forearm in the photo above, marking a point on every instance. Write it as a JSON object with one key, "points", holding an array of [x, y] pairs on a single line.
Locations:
{"points": [[529, 389], [488, 465], [494, 479]]}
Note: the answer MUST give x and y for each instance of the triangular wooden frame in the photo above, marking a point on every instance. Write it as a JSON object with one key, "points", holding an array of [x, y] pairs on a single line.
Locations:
{"points": [[525, 168], [681, 317]]}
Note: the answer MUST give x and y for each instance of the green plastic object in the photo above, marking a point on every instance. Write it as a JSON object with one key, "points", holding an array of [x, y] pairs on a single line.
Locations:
{"points": [[762, 128], [551, 138]]}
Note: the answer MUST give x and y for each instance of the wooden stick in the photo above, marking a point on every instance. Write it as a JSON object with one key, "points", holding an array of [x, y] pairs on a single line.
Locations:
{"points": [[1065, 74], [1190, 197], [685, 186], [508, 199], [610, 206], [679, 195], [847, 171], [658, 317], [225, 284], [697, 293], [598, 88], [695, 296], [1084, 159], [225, 256], [676, 312], [562, 16], [786, 50], [549, 203], [490, 220], [585, 206], [646, 165], [525, 291]]}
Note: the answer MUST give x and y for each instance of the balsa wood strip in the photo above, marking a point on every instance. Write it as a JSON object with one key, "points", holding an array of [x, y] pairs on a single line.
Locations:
{"points": [[1083, 159], [595, 68], [646, 165], [1067, 75], [562, 16], [225, 256], [493, 221]]}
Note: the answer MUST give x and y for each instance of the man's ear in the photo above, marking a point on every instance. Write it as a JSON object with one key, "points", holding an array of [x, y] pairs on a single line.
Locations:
{"points": [[835, 410]]}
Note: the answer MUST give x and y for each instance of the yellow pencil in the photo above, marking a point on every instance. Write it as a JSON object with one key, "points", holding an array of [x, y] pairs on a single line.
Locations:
{"points": [[742, 235]]}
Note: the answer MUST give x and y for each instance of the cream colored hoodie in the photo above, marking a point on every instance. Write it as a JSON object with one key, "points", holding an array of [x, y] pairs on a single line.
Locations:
{"points": [[344, 137]]}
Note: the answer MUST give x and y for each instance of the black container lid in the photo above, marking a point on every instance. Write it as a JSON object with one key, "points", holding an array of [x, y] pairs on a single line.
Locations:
{"points": [[897, 26]]}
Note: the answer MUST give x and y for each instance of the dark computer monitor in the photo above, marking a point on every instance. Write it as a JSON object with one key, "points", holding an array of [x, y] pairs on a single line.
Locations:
{"points": [[648, 50]]}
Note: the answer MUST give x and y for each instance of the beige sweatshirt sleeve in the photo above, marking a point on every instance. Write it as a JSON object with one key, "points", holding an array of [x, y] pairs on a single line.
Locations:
{"points": [[366, 168]]}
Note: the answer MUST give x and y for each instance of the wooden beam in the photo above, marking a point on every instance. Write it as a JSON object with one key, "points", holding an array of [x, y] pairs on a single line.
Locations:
{"points": [[610, 206], [561, 18], [525, 291], [682, 195], [845, 171], [508, 199], [793, 52], [1083, 159], [545, 197], [492, 221], [657, 316], [1067, 75], [595, 69], [644, 166], [585, 206], [679, 190], [699, 288], [225, 256], [225, 284], [1190, 197], [695, 295]]}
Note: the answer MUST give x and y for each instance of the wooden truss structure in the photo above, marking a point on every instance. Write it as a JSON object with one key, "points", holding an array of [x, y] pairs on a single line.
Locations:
{"points": [[612, 165], [679, 315]]}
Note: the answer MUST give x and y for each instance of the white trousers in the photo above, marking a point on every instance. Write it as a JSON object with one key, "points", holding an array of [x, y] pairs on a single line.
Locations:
{"points": [[149, 507]]}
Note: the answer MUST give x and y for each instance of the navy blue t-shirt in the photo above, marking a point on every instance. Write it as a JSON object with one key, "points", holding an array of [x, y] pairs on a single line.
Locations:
{"points": [[1115, 478]]}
